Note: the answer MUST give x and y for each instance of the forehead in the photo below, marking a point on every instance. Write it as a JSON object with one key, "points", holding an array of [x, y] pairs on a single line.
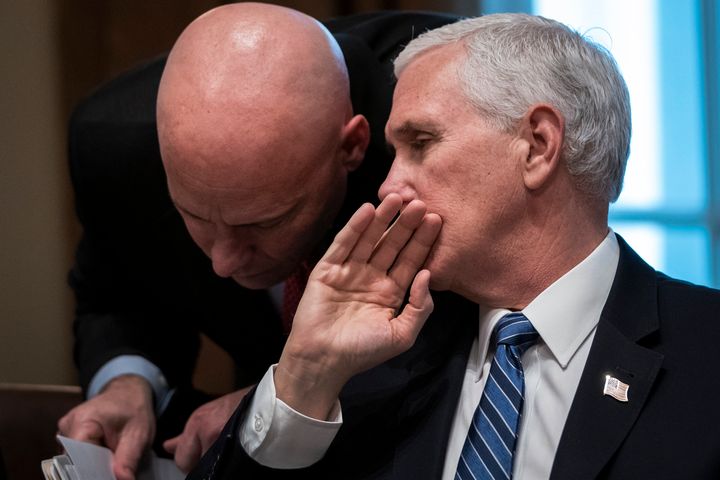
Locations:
{"points": [[233, 152], [226, 176], [206, 186], [235, 183], [428, 91]]}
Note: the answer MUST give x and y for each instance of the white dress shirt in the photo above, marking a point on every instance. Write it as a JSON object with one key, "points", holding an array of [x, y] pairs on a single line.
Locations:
{"points": [[565, 315]]}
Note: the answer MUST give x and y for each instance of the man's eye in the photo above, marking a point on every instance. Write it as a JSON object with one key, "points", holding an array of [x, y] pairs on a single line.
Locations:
{"points": [[189, 217], [419, 143], [269, 224]]}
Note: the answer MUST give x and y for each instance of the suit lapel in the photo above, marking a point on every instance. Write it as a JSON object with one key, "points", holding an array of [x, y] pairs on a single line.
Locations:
{"points": [[597, 423], [428, 408]]}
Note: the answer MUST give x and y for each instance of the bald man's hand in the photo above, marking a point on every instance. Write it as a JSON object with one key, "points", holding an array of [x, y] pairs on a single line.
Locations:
{"points": [[202, 429], [348, 320], [121, 418]]}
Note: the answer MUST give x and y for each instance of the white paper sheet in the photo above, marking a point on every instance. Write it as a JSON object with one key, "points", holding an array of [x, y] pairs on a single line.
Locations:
{"points": [[92, 462]]}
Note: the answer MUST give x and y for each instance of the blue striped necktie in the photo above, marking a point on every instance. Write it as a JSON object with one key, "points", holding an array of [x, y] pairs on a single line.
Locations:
{"points": [[491, 439]]}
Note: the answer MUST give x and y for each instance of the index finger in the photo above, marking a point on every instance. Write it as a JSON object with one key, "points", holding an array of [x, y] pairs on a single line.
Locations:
{"points": [[384, 214], [415, 252], [348, 236], [129, 451], [395, 238]]}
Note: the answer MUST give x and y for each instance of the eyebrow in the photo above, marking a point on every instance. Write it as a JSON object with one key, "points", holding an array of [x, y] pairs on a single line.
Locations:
{"points": [[186, 211], [411, 127], [279, 216]]}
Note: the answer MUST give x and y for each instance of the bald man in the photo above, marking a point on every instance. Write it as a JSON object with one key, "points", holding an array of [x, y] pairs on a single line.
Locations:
{"points": [[270, 130]]}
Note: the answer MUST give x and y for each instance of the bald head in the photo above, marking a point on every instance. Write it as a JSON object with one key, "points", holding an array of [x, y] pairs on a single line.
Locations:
{"points": [[244, 75], [257, 136]]}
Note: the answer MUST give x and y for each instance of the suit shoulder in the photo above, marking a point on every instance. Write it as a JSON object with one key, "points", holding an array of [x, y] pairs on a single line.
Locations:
{"points": [[688, 310], [389, 19], [687, 294], [129, 97], [112, 137], [386, 32]]}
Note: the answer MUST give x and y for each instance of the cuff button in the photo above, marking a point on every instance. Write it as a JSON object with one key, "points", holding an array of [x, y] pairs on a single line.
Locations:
{"points": [[258, 424]]}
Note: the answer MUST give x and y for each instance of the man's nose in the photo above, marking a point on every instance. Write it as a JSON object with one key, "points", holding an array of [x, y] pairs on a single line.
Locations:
{"points": [[395, 184], [230, 252]]}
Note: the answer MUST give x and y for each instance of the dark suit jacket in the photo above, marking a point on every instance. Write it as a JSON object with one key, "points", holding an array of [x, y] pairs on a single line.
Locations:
{"points": [[142, 286], [656, 334]]}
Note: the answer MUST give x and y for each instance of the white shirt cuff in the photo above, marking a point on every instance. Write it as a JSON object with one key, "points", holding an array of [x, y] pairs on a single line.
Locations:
{"points": [[275, 435], [133, 365]]}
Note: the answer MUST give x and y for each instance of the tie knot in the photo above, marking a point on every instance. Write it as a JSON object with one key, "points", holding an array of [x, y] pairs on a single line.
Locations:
{"points": [[515, 330]]}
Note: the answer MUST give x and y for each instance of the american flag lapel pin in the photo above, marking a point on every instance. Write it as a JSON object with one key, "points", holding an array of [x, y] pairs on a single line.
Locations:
{"points": [[616, 389]]}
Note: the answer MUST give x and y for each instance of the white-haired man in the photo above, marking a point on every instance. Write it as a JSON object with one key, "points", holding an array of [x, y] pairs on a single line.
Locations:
{"points": [[513, 132]]}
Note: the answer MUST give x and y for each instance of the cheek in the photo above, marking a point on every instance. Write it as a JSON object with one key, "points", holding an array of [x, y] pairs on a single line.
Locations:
{"points": [[283, 244], [441, 198], [294, 242], [460, 221]]}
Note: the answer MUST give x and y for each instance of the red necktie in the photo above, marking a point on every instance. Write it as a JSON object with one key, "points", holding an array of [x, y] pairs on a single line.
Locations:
{"points": [[294, 288]]}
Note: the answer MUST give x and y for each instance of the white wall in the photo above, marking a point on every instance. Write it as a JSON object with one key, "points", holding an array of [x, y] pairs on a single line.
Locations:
{"points": [[35, 220]]}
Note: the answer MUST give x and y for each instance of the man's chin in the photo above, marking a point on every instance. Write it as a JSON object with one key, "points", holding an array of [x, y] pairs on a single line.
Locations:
{"points": [[438, 278], [438, 283]]}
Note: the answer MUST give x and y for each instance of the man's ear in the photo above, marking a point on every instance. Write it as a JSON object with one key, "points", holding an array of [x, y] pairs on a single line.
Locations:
{"points": [[543, 128], [354, 140]]}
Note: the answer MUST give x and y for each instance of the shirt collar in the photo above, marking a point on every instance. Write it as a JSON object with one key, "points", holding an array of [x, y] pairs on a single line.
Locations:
{"points": [[566, 312], [488, 320]]}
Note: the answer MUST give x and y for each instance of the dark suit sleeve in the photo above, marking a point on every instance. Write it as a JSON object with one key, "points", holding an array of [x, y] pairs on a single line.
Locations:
{"points": [[387, 32], [142, 286], [123, 304]]}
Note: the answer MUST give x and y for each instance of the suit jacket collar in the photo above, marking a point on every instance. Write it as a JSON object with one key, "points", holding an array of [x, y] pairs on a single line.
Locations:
{"points": [[434, 387], [399, 414], [597, 423]]}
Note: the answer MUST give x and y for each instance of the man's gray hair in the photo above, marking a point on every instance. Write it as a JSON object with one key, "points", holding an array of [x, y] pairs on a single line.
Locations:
{"points": [[515, 60]]}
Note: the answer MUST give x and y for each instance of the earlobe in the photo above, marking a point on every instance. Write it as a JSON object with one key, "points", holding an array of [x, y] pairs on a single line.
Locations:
{"points": [[543, 129], [354, 142]]}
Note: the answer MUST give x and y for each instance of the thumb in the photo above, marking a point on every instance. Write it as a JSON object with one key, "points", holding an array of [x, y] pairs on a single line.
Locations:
{"points": [[419, 307], [171, 444]]}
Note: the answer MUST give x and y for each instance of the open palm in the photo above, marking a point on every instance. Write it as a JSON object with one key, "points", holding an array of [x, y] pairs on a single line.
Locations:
{"points": [[348, 320]]}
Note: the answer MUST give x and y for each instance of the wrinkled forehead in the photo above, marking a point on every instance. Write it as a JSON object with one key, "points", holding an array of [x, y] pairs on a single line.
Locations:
{"points": [[246, 134], [237, 188], [426, 87], [256, 156]]}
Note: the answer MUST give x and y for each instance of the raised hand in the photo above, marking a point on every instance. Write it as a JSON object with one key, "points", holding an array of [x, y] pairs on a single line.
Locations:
{"points": [[121, 417], [348, 319], [202, 429]]}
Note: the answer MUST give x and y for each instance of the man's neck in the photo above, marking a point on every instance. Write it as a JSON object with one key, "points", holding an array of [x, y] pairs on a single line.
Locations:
{"points": [[545, 247]]}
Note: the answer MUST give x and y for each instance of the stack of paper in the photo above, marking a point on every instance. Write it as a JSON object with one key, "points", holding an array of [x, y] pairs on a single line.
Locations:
{"points": [[85, 461]]}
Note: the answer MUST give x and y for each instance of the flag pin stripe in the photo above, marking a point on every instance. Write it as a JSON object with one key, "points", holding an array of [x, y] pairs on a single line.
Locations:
{"points": [[616, 389]]}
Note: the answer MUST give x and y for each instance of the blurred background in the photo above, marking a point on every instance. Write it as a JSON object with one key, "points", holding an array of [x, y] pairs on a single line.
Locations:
{"points": [[54, 52]]}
